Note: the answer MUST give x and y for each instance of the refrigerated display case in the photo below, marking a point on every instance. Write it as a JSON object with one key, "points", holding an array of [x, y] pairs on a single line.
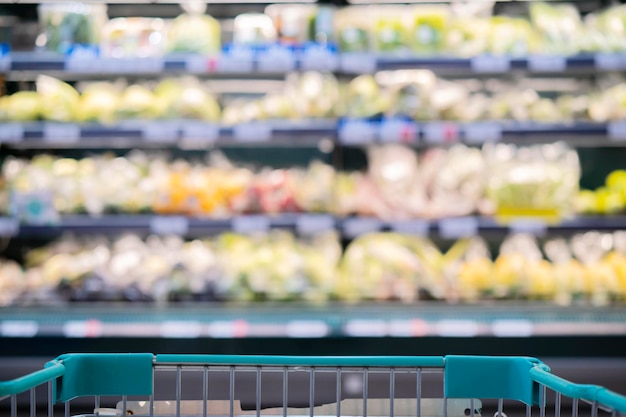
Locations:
{"points": [[468, 171]]}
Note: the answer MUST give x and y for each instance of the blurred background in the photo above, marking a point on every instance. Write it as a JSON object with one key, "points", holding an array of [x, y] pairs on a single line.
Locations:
{"points": [[314, 178]]}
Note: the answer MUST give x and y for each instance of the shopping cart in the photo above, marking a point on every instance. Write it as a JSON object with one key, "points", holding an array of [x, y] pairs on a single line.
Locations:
{"points": [[228, 386]]}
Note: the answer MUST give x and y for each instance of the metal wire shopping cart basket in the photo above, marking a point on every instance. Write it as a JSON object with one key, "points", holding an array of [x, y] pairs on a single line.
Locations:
{"points": [[228, 386]]}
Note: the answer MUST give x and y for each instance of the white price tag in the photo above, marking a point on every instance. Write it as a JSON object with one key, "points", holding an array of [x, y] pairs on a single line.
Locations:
{"points": [[398, 131], [85, 60], [61, 132], [357, 132], [482, 132], [319, 59], [5, 63], [490, 63], [459, 227], [360, 226], [412, 227], [531, 226], [239, 61], [617, 130], [440, 132], [160, 132], [228, 329], [358, 62], [252, 132], [408, 328], [512, 328], [200, 64], [366, 328], [610, 61], [310, 224], [200, 132], [457, 328], [19, 328], [86, 66], [181, 329], [82, 328], [251, 224], [547, 63], [111, 65], [11, 132], [169, 225], [141, 65], [276, 59], [9, 227], [307, 329]]}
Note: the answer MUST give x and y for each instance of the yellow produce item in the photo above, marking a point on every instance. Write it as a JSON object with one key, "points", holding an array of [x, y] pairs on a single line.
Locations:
{"points": [[23, 106], [59, 100]]}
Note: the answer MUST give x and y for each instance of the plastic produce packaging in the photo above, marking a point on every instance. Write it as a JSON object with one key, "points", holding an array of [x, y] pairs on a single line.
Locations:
{"points": [[254, 29], [539, 180], [429, 29], [65, 25], [134, 37], [194, 31]]}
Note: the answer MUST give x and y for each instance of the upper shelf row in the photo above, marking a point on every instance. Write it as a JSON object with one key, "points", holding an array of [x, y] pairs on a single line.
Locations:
{"points": [[279, 60]]}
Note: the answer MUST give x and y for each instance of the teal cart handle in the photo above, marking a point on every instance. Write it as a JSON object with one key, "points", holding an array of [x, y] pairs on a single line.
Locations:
{"points": [[332, 361], [52, 371], [593, 393]]}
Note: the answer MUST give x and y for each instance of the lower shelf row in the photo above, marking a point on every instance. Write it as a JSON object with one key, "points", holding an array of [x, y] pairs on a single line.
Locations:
{"points": [[589, 268], [300, 322]]}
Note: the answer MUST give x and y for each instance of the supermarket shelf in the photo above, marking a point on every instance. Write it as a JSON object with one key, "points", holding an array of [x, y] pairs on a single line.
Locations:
{"points": [[146, 133], [303, 224], [504, 319], [282, 60], [349, 132]]}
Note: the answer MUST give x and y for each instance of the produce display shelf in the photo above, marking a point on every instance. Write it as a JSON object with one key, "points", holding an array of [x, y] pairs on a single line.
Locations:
{"points": [[303, 224], [205, 320], [347, 63], [163, 133], [349, 132]]}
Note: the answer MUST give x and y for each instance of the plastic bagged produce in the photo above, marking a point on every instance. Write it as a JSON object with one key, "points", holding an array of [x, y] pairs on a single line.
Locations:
{"points": [[468, 36], [512, 36], [138, 102], [363, 98], [134, 37], [23, 106], [394, 171], [539, 180], [315, 95], [390, 32], [352, 29], [194, 31], [380, 267], [11, 282], [609, 104], [604, 31], [276, 267], [254, 29], [98, 102], [314, 190], [559, 26], [474, 274], [187, 99], [454, 181], [59, 101], [429, 27], [65, 25], [293, 22]]}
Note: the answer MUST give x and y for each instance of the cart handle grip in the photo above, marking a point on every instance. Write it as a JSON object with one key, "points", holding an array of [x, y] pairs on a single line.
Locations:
{"points": [[52, 371], [276, 360], [594, 393]]}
